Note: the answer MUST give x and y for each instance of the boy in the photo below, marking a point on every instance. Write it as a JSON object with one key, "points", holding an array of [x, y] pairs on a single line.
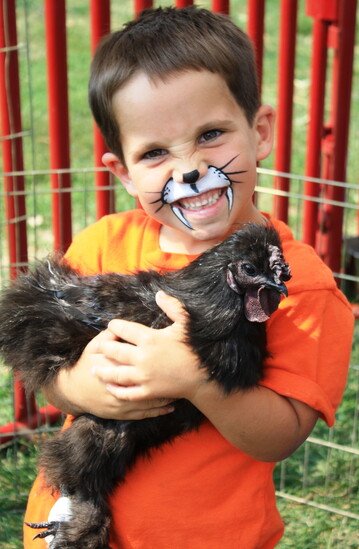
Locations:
{"points": [[175, 95]]}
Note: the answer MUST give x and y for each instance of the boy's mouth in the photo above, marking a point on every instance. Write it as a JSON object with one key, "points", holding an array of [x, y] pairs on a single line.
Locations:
{"points": [[201, 201], [187, 198], [184, 207]]}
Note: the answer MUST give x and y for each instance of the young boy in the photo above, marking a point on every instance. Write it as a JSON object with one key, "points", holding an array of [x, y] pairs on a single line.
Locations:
{"points": [[175, 93]]}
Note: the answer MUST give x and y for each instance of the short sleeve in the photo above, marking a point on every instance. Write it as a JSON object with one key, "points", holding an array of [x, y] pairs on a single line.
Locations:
{"points": [[309, 343], [86, 250]]}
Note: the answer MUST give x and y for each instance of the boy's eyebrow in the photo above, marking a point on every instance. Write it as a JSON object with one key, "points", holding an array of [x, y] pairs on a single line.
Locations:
{"points": [[147, 146], [218, 124]]}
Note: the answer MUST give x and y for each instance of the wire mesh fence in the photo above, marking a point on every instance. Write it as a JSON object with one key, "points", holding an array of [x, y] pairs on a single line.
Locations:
{"points": [[322, 478]]}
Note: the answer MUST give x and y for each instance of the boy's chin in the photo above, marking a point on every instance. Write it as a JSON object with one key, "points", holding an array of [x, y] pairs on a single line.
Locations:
{"points": [[207, 232], [175, 239], [209, 235]]}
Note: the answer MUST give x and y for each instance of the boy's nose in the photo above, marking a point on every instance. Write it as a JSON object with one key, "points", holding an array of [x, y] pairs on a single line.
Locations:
{"points": [[190, 177]]}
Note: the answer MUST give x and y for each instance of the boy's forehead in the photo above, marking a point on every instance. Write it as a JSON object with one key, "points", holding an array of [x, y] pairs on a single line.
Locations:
{"points": [[187, 99], [142, 89]]}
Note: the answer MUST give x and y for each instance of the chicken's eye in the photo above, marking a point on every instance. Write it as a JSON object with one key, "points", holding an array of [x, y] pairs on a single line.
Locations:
{"points": [[249, 269]]}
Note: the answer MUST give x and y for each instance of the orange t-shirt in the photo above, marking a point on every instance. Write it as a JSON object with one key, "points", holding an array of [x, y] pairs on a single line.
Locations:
{"points": [[200, 491]]}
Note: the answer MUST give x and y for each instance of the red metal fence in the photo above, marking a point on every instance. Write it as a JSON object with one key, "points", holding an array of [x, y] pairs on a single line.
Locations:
{"points": [[327, 141]]}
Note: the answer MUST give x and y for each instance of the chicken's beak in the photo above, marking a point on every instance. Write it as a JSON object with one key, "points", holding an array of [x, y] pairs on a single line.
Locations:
{"points": [[281, 288]]}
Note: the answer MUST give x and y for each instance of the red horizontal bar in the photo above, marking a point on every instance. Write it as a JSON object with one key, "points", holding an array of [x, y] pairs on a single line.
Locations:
{"points": [[45, 415]]}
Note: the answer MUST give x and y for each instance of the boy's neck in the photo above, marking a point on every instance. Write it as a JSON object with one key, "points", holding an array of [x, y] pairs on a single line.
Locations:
{"points": [[175, 242], [172, 240]]}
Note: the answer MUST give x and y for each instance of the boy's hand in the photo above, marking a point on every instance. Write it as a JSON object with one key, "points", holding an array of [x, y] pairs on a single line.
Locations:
{"points": [[150, 364], [77, 390], [134, 380]]}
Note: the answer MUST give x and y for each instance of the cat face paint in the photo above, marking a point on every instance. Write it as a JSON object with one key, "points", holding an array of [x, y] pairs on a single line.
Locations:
{"points": [[173, 191]]}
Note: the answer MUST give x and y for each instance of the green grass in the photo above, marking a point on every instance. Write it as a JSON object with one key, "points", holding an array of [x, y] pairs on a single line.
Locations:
{"points": [[325, 476], [308, 528], [330, 476], [18, 464]]}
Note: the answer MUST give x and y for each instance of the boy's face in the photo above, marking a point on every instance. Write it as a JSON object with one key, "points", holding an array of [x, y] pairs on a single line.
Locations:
{"points": [[190, 153]]}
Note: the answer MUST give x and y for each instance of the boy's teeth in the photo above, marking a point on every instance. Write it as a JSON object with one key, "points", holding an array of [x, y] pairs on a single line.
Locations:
{"points": [[200, 202]]}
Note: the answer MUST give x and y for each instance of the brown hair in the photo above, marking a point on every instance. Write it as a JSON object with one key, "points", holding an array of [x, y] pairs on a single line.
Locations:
{"points": [[167, 40]]}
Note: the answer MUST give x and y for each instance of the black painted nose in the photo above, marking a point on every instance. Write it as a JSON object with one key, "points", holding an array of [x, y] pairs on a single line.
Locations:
{"points": [[190, 177]]}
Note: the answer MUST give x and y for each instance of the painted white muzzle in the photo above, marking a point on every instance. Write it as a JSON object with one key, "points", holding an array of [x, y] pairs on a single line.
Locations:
{"points": [[173, 192]]}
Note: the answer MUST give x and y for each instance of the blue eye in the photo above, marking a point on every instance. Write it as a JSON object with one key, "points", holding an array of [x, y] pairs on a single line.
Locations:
{"points": [[211, 134], [155, 153]]}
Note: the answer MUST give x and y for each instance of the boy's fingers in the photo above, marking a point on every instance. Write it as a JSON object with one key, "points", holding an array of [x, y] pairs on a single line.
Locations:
{"points": [[121, 352], [145, 405], [125, 330], [171, 307], [131, 393], [155, 412], [94, 344], [117, 376], [133, 332], [151, 412]]}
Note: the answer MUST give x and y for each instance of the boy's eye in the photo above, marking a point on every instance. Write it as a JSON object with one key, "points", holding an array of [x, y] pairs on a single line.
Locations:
{"points": [[155, 153], [211, 134]]}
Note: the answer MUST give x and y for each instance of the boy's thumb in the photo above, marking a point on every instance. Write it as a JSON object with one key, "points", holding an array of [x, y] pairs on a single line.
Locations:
{"points": [[172, 307]]}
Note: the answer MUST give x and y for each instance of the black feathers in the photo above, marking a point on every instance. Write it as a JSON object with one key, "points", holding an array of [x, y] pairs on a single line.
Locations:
{"points": [[48, 316]]}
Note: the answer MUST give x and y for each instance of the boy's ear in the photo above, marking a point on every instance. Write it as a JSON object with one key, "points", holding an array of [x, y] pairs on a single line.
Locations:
{"points": [[119, 170], [264, 125]]}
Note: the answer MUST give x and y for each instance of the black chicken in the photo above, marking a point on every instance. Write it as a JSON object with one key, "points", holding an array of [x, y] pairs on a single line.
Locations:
{"points": [[49, 315]]}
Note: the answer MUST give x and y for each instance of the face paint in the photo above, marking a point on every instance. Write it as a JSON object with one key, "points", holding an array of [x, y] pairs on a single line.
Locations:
{"points": [[173, 191]]}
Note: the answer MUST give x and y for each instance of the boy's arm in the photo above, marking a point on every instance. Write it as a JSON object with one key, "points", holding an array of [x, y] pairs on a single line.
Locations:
{"points": [[260, 422]]}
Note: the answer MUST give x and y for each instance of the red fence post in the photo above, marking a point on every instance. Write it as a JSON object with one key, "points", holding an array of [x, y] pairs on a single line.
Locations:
{"points": [[14, 185], [140, 5], [335, 144], [100, 25], [11, 128], [255, 30], [183, 3], [316, 116], [286, 65], [55, 20], [220, 6], [334, 26]]}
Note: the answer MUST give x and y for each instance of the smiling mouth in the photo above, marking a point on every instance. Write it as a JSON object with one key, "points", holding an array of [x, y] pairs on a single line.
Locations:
{"points": [[201, 201], [186, 198]]}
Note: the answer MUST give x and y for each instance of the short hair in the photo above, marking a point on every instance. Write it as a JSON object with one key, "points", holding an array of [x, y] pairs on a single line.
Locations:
{"points": [[163, 41]]}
